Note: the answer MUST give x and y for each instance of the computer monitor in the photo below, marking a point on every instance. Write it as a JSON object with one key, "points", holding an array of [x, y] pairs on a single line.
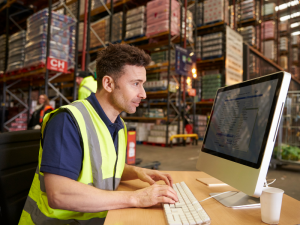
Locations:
{"points": [[241, 133]]}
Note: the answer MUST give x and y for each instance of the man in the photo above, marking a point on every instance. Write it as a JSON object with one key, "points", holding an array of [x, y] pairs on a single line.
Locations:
{"points": [[87, 85], [83, 147]]}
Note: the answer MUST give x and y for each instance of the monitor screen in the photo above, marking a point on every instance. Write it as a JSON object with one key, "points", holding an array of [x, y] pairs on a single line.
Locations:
{"points": [[240, 120]]}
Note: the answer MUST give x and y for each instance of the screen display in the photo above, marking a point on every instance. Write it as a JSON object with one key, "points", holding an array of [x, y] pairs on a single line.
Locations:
{"points": [[239, 121]]}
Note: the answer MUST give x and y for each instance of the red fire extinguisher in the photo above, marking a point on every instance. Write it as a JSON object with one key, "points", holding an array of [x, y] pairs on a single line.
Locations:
{"points": [[131, 147]]}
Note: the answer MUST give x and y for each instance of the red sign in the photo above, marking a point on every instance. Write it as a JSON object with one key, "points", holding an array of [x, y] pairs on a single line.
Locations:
{"points": [[131, 146], [192, 92], [57, 65]]}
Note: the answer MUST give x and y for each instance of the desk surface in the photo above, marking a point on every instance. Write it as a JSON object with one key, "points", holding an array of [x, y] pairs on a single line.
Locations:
{"points": [[219, 214]]}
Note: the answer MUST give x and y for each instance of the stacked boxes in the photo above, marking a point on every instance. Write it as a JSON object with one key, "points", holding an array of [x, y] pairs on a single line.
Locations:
{"points": [[268, 9], [200, 125], [61, 40], [19, 123], [212, 45], [199, 18], [117, 27], [16, 53], [189, 26], [295, 54], [283, 26], [198, 50], [80, 36], [247, 10], [248, 34], [210, 84], [154, 113], [269, 49], [142, 130], [283, 44], [295, 39], [102, 28], [160, 85], [158, 133], [283, 62], [2, 52], [161, 57], [268, 28], [215, 10], [136, 22], [158, 17], [98, 3]]}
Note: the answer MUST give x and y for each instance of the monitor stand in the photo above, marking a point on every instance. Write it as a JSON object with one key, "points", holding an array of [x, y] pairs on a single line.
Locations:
{"points": [[237, 200]]}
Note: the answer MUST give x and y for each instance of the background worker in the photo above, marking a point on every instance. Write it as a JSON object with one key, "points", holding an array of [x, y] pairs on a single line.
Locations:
{"points": [[40, 111], [83, 148], [87, 84]]}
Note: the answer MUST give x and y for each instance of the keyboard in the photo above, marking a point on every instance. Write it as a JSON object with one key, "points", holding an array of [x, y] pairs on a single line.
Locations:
{"points": [[187, 211]]}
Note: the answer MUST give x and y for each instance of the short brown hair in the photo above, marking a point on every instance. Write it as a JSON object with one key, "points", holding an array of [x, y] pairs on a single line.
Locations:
{"points": [[112, 60]]}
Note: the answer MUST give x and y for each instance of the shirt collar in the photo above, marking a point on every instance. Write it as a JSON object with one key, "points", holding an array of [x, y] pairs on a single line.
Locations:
{"points": [[95, 103]]}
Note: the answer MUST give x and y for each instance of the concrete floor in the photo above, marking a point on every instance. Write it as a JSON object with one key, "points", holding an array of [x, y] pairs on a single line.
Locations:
{"points": [[185, 159]]}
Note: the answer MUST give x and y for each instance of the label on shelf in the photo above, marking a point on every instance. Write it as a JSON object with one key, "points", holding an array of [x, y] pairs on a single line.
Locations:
{"points": [[57, 65]]}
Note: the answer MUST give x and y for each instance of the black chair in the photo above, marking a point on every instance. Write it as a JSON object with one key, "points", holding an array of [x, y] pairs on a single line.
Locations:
{"points": [[18, 161]]}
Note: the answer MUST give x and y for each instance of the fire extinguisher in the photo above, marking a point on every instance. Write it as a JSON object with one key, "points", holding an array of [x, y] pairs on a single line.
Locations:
{"points": [[131, 146]]}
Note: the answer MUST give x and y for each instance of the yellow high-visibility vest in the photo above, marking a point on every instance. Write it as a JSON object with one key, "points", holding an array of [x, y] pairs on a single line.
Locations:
{"points": [[86, 87], [102, 168]]}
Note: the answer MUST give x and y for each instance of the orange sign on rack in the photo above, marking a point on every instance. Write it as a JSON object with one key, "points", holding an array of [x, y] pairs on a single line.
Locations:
{"points": [[131, 147], [57, 65], [192, 92]]}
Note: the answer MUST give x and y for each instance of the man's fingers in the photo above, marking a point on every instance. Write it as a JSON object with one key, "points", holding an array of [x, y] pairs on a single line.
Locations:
{"points": [[168, 194], [163, 199], [149, 180], [165, 179], [169, 178]]}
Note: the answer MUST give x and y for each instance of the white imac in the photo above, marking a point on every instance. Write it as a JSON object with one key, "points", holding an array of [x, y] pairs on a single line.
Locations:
{"points": [[240, 136]]}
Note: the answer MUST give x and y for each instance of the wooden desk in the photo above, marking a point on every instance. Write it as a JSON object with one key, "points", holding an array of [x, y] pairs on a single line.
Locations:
{"points": [[219, 214]]}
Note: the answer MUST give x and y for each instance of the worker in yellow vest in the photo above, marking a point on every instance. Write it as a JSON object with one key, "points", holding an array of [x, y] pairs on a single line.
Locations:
{"points": [[83, 147], [87, 84]]}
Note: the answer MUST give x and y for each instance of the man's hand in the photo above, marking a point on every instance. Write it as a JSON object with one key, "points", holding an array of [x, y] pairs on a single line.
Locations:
{"points": [[153, 195], [151, 176]]}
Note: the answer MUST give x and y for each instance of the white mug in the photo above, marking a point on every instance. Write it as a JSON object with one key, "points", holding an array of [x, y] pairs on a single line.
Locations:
{"points": [[270, 200]]}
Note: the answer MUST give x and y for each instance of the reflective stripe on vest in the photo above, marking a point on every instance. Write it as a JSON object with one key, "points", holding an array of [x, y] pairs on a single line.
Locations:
{"points": [[95, 170]]}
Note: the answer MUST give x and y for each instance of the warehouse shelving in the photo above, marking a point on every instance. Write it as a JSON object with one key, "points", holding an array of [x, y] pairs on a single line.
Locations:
{"points": [[34, 77], [163, 39]]}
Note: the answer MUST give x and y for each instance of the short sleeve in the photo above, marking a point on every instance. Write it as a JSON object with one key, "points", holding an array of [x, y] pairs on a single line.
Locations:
{"points": [[62, 152]]}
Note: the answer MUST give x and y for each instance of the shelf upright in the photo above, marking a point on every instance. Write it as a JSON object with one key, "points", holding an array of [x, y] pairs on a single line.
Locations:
{"points": [[48, 44], [76, 51], [194, 80], [5, 67], [169, 71], [180, 76]]}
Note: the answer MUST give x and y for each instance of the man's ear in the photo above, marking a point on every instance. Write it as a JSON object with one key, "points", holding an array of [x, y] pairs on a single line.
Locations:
{"points": [[108, 83]]}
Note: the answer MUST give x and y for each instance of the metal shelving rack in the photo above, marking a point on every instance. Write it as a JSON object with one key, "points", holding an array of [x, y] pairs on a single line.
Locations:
{"points": [[29, 78]]}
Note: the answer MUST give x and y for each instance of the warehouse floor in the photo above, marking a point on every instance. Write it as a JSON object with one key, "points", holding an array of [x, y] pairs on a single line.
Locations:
{"points": [[185, 159]]}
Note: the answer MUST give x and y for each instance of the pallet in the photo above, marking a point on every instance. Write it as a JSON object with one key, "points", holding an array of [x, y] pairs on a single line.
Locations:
{"points": [[164, 144], [212, 57], [25, 69], [135, 37], [212, 22], [154, 144], [156, 89]]}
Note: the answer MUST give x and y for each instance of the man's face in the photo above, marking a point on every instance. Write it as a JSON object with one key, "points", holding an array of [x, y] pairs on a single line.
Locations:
{"points": [[79, 80], [129, 91]]}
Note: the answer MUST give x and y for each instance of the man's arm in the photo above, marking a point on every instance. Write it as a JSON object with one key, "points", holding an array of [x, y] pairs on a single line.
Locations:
{"points": [[68, 194], [146, 175]]}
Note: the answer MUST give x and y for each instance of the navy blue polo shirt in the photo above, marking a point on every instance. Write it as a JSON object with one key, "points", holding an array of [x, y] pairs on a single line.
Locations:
{"points": [[62, 153]]}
